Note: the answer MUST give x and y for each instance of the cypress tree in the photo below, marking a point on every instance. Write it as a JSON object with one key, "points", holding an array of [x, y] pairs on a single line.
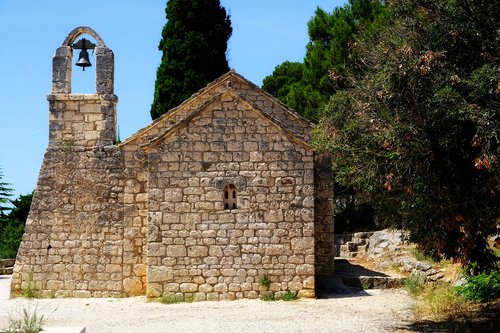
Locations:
{"points": [[194, 44]]}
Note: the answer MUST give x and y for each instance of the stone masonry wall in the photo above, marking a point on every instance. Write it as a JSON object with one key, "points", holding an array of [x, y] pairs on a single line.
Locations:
{"points": [[73, 242], [201, 251], [135, 220], [83, 120]]}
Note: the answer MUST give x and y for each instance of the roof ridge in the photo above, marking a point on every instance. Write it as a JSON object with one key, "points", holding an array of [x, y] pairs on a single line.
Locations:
{"points": [[280, 125], [274, 99]]}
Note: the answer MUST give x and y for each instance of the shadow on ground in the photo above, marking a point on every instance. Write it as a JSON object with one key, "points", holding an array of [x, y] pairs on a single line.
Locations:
{"points": [[350, 280], [484, 320]]}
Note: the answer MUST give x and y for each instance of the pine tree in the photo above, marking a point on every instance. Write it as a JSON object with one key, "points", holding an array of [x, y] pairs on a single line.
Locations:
{"points": [[5, 193], [328, 62], [194, 44]]}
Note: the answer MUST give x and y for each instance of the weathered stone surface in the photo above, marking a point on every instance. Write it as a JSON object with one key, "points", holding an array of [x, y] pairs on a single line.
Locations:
{"points": [[133, 286], [159, 274], [176, 251], [384, 241]]}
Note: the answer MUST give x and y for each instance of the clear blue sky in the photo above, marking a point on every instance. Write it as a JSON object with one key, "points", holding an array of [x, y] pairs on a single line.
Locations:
{"points": [[265, 33]]}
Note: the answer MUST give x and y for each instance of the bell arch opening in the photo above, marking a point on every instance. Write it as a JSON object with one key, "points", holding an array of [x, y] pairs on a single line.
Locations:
{"points": [[75, 33], [84, 78], [72, 50]]}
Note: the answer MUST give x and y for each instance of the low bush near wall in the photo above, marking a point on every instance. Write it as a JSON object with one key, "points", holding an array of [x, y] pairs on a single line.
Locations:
{"points": [[482, 287]]}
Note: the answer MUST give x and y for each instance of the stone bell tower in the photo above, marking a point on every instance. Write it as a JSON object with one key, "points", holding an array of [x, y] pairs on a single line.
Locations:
{"points": [[73, 242], [82, 119]]}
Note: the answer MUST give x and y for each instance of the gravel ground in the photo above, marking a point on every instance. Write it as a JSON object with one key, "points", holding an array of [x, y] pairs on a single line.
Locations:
{"points": [[367, 311]]}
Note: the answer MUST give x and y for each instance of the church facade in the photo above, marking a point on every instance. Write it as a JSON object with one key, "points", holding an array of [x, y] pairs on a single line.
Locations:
{"points": [[217, 195]]}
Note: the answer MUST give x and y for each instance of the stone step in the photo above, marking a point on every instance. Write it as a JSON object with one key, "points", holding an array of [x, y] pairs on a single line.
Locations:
{"points": [[362, 248], [357, 276], [349, 247], [372, 282], [348, 254], [357, 237], [7, 262]]}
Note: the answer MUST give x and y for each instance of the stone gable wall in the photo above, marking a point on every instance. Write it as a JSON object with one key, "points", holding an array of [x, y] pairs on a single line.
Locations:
{"points": [[239, 86], [288, 119], [201, 251]]}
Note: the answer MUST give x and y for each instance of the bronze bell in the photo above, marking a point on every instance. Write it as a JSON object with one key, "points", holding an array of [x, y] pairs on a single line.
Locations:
{"points": [[83, 59]]}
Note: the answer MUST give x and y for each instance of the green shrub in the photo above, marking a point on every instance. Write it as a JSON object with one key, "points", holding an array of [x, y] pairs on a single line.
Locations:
{"points": [[29, 291], [481, 287], [289, 296], [265, 281], [415, 283]]}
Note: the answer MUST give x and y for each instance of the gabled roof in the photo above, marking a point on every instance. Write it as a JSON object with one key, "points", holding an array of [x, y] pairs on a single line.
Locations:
{"points": [[277, 124], [292, 124]]}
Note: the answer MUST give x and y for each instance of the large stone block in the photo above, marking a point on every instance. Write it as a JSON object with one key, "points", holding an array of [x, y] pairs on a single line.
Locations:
{"points": [[160, 274], [197, 251], [133, 286]]}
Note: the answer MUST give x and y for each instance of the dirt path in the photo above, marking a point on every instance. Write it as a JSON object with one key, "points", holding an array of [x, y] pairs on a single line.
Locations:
{"points": [[368, 311]]}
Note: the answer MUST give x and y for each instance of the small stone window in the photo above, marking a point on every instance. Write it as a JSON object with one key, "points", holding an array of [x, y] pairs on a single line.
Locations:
{"points": [[230, 197]]}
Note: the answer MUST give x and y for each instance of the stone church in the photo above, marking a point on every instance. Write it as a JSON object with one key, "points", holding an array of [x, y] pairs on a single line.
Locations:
{"points": [[218, 193]]}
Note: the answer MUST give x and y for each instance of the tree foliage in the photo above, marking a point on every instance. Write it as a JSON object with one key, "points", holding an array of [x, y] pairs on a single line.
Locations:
{"points": [[327, 66], [12, 226], [417, 135], [194, 44], [5, 193]]}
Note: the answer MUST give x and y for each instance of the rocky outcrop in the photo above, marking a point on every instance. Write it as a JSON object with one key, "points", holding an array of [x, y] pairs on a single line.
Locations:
{"points": [[384, 241]]}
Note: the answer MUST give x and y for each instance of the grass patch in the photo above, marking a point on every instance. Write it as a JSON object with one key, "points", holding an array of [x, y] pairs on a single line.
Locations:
{"points": [[30, 291], [269, 296], [415, 283], [30, 322], [441, 302], [421, 256], [289, 296]]}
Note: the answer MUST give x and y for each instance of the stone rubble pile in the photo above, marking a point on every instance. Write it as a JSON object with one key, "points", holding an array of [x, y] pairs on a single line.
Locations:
{"points": [[414, 266], [388, 244]]}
